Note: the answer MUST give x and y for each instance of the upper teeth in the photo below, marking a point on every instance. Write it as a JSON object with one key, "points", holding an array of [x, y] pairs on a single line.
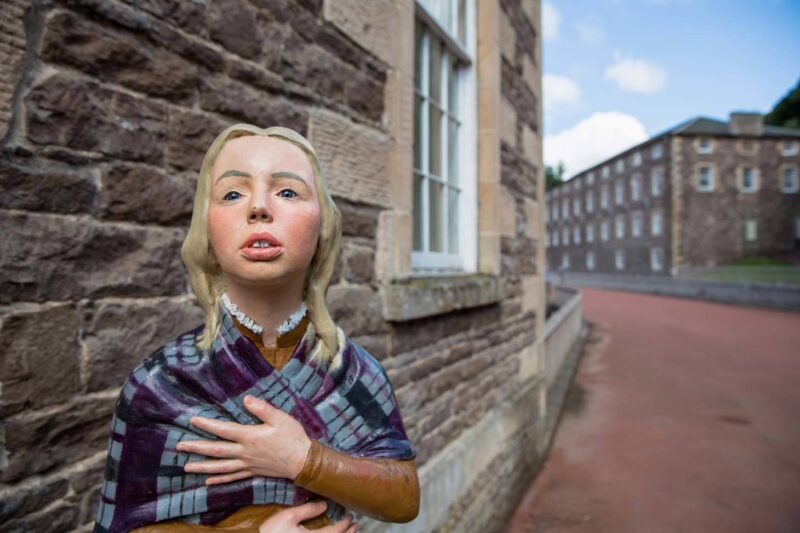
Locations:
{"points": [[261, 244]]}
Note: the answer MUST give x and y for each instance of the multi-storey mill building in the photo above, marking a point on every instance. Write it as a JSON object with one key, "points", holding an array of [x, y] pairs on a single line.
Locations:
{"points": [[704, 193]]}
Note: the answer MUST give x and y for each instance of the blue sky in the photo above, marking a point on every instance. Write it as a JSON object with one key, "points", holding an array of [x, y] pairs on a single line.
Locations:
{"points": [[619, 71]]}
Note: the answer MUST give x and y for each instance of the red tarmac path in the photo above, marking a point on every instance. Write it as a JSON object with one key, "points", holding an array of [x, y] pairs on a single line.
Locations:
{"points": [[684, 417]]}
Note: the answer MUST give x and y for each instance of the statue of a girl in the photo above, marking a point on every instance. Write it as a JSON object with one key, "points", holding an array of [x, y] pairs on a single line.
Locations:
{"points": [[240, 423]]}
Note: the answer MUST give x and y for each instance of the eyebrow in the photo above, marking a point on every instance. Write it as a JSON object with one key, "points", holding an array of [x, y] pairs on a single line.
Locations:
{"points": [[241, 174]]}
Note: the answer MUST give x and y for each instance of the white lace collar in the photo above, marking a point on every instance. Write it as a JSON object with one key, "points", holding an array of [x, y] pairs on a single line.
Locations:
{"points": [[288, 325]]}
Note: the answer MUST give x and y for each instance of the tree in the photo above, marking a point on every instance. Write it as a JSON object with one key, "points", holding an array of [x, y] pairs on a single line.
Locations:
{"points": [[786, 112], [554, 175]]}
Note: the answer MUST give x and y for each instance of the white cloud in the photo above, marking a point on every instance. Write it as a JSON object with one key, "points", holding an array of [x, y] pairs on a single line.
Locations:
{"points": [[559, 92], [589, 33], [636, 75], [592, 140], [551, 20]]}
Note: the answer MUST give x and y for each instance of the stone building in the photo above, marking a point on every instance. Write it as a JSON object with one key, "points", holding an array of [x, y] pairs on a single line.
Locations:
{"points": [[703, 193], [426, 116]]}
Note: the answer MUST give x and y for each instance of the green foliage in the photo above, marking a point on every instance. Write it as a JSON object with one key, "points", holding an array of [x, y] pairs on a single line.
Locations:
{"points": [[786, 113], [761, 261], [554, 176]]}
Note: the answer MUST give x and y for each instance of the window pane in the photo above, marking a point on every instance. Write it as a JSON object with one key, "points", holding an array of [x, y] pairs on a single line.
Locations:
{"points": [[435, 140], [462, 20], [418, 214], [435, 219], [417, 131], [418, 55], [452, 95], [435, 69], [452, 219], [453, 152]]}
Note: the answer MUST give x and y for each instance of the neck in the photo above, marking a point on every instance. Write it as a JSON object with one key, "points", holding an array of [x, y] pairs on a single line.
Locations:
{"points": [[269, 308]]}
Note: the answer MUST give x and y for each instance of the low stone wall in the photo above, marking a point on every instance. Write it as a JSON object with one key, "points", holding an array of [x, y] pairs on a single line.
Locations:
{"points": [[774, 295]]}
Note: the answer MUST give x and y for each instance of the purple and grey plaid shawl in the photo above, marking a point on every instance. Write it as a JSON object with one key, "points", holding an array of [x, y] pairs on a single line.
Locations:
{"points": [[352, 409]]}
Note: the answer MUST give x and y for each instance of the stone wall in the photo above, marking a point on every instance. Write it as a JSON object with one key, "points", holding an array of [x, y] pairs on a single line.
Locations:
{"points": [[722, 212], [109, 108]]}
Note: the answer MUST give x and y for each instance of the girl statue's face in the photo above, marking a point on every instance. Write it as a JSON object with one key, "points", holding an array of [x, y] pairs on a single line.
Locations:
{"points": [[276, 178]]}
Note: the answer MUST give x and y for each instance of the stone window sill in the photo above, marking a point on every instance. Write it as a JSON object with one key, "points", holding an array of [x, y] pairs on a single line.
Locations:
{"points": [[418, 297]]}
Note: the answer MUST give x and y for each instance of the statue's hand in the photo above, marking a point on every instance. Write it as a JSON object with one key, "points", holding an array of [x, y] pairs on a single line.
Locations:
{"points": [[277, 448]]}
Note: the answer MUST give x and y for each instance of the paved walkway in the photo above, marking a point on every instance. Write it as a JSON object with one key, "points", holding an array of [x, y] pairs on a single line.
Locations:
{"points": [[684, 417]]}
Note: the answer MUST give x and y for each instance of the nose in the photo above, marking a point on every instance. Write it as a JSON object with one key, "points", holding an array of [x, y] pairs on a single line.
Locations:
{"points": [[259, 212]]}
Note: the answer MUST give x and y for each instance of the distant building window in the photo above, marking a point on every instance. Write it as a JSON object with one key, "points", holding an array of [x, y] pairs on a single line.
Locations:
{"points": [[747, 146], [576, 234], [636, 188], [604, 230], [555, 211], [619, 259], [604, 197], [789, 148], [749, 178], [636, 224], [655, 151], [636, 160], [589, 202], [619, 226], [656, 181], [619, 192], [750, 229], [555, 192], [577, 184], [605, 171], [590, 232], [704, 145], [705, 178], [576, 206], [556, 241], [565, 207], [656, 259], [566, 187], [590, 178], [655, 222], [565, 235], [565, 261], [590, 260], [620, 166], [790, 183], [547, 239]]}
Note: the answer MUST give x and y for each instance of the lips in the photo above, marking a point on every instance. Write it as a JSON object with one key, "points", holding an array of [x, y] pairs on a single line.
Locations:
{"points": [[261, 236]]}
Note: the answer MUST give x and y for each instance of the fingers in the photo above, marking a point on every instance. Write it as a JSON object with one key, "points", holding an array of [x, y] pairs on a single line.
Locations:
{"points": [[210, 447], [215, 467], [261, 408], [227, 430], [309, 510], [216, 480], [345, 525]]}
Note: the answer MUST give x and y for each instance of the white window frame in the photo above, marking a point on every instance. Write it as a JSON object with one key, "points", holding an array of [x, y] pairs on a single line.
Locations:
{"points": [[794, 150], [464, 258], [796, 187], [700, 149], [656, 222], [742, 172], [636, 188], [636, 224], [619, 226], [751, 230], [698, 182], [656, 181], [656, 259], [619, 259], [656, 151]]}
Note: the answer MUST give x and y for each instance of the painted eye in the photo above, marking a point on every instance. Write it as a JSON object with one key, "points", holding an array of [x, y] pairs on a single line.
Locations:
{"points": [[227, 196], [291, 191]]}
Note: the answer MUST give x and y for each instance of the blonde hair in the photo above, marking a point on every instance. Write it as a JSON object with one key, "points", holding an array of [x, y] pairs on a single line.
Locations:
{"points": [[206, 276]]}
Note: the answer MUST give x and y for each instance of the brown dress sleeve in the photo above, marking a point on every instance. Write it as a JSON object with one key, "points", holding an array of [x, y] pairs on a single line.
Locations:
{"points": [[383, 488]]}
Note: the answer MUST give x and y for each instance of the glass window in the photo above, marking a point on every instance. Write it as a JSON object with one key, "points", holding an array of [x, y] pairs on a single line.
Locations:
{"points": [[605, 171], [636, 188], [704, 145], [790, 183], [636, 224], [565, 235], [656, 181], [750, 229], [619, 192], [748, 179], [656, 259], [565, 261], [705, 178], [789, 147], [655, 222], [604, 197], [604, 230], [590, 178], [590, 232], [636, 159], [619, 259], [620, 166], [576, 206], [619, 226], [590, 264], [655, 151], [589, 201], [576, 234]]}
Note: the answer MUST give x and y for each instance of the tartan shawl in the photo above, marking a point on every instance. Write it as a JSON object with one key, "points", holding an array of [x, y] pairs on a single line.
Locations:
{"points": [[352, 409]]}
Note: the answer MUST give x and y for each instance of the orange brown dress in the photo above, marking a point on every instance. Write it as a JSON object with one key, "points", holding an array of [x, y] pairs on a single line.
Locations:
{"points": [[386, 489]]}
